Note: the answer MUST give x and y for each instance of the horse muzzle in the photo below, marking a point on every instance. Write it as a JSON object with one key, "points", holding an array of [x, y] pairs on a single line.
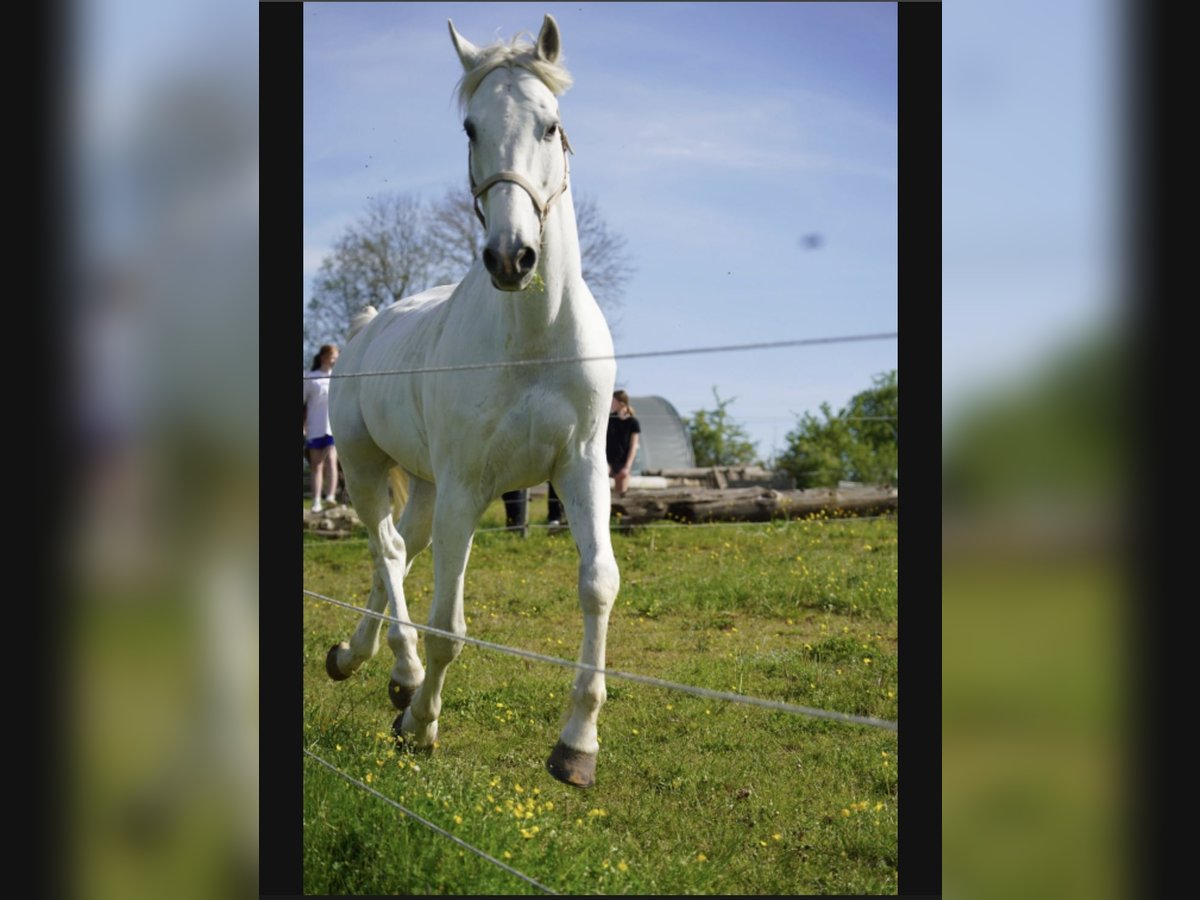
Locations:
{"points": [[511, 266]]}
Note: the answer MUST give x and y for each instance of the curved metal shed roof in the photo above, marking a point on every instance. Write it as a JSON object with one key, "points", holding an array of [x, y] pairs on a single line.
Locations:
{"points": [[664, 443]]}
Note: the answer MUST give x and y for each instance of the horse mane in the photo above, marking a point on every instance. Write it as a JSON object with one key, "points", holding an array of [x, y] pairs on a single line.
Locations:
{"points": [[517, 54]]}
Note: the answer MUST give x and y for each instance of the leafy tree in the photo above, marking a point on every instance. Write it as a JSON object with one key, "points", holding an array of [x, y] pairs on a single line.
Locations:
{"points": [[401, 246], [856, 444], [716, 439]]}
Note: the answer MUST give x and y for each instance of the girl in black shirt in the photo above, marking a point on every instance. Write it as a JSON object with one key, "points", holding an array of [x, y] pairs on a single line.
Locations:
{"points": [[623, 431]]}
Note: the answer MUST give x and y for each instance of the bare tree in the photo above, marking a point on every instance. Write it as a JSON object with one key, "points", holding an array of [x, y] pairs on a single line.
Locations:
{"points": [[386, 255], [607, 263], [456, 232]]}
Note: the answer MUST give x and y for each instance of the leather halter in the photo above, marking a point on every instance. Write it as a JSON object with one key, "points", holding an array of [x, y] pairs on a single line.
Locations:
{"points": [[543, 207]]}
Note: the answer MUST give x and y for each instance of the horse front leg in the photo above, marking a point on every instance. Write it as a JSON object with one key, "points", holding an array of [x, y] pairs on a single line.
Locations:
{"points": [[454, 518], [584, 490]]}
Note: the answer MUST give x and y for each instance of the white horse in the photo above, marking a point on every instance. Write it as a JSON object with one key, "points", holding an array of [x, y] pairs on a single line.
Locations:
{"points": [[455, 439]]}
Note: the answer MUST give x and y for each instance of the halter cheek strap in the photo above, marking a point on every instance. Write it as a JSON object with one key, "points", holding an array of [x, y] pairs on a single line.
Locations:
{"points": [[543, 207]]}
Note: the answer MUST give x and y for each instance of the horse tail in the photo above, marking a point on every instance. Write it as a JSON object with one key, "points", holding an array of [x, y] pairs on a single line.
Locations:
{"points": [[398, 481], [365, 315]]}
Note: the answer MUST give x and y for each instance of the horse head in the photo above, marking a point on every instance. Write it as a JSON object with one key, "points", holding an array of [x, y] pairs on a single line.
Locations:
{"points": [[518, 150]]}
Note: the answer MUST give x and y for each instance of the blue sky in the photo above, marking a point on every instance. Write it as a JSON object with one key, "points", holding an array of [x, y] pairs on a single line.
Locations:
{"points": [[1031, 257], [712, 136]]}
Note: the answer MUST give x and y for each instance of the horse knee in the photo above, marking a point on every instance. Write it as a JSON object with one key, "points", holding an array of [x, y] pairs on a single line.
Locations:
{"points": [[598, 586], [443, 650]]}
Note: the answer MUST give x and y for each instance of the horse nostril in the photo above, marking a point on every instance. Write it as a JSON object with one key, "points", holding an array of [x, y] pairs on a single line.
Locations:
{"points": [[526, 260], [491, 261]]}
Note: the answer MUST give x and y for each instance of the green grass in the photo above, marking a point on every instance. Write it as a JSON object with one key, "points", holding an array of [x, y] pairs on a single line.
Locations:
{"points": [[692, 795]]}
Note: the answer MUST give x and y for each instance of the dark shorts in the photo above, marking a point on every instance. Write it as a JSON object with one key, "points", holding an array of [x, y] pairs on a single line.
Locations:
{"points": [[318, 443]]}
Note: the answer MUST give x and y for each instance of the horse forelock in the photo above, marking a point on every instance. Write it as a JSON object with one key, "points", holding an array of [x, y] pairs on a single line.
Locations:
{"points": [[516, 55]]}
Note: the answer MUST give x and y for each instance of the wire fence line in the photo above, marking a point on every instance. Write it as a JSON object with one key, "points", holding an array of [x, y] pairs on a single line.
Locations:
{"points": [[706, 693], [618, 527], [560, 360], [442, 831]]}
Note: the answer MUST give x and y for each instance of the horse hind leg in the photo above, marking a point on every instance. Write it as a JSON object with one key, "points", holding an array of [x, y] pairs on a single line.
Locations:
{"points": [[368, 489], [413, 531]]}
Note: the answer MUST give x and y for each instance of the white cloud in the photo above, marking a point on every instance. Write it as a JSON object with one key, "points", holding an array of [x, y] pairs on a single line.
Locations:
{"points": [[784, 130]]}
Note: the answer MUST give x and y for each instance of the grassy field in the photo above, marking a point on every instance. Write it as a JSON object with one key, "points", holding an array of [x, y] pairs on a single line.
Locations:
{"points": [[692, 795]]}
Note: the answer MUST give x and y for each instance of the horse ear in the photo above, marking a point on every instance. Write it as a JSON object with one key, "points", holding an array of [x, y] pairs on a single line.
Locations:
{"points": [[549, 44], [468, 53]]}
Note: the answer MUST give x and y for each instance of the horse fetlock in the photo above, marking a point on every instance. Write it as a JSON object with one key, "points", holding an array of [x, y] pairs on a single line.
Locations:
{"points": [[363, 646], [589, 696], [404, 647]]}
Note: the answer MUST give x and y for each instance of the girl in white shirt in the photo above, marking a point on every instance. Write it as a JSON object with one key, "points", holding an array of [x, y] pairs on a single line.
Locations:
{"points": [[322, 456]]}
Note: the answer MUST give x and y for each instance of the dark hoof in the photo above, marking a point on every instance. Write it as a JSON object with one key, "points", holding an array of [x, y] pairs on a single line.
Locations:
{"points": [[331, 665], [400, 695], [572, 766]]}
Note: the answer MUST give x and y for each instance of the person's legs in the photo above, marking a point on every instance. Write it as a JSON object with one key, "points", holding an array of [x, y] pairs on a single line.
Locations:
{"points": [[331, 462], [621, 478], [316, 464]]}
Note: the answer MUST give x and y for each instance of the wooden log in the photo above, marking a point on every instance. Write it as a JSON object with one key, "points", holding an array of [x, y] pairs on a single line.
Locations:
{"points": [[749, 504]]}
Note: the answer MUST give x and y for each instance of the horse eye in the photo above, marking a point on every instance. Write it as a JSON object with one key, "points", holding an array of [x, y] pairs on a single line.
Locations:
{"points": [[551, 131], [469, 128]]}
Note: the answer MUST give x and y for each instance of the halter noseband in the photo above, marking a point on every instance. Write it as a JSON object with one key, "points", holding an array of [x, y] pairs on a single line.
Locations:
{"points": [[522, 182]]}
